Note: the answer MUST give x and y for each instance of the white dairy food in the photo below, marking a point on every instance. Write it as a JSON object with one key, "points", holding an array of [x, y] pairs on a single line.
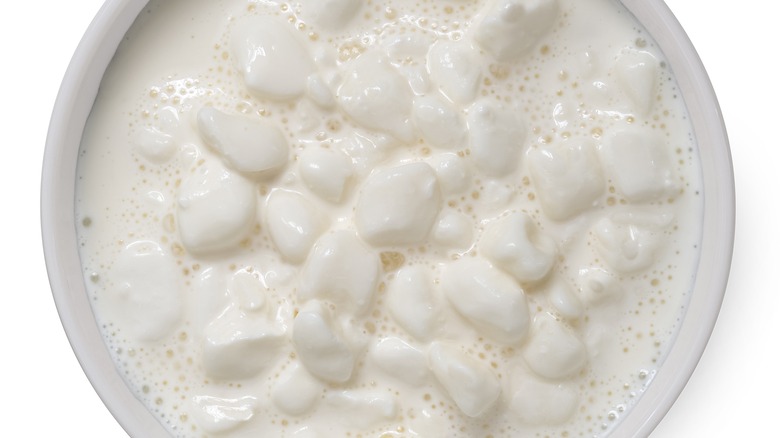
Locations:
{"points": [[398, 205], [273, 61], [247, 145], [410, 219]]}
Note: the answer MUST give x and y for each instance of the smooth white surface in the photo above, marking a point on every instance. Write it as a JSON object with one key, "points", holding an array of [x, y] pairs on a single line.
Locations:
{"points": [[731, 393]]}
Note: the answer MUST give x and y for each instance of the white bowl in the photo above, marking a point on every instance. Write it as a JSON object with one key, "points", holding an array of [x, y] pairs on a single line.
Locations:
{"points": [[73, 106]]}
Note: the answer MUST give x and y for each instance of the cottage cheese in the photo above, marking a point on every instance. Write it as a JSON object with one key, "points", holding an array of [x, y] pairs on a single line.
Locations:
{"points": [[408, 218]]}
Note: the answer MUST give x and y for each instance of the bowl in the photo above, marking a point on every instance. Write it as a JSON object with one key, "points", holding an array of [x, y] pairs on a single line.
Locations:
{"points": [[75, 100]]}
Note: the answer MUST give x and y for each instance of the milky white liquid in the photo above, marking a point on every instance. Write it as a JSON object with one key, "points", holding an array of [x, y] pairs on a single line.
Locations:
{"points": [[399, 218]]}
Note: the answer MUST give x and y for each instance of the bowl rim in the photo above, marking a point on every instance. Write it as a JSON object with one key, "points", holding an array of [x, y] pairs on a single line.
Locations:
{"points": [[71, 109], [74, 102], [718, 216]]}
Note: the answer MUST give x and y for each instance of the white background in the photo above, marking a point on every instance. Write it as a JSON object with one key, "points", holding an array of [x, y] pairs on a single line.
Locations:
{"points": [[733, 392]]}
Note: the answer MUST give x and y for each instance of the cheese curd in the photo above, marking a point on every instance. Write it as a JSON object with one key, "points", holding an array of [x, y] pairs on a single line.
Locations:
{"points": [[408, 218]]}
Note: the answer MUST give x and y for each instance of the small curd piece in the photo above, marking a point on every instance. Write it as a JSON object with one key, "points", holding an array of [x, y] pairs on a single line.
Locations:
{"points": [[627, 243], [330, 14], [297, 391], [455, 68], [553, 350], [536, 401], [637, 73], [271, 58], [497, 138], [155, 145], [326, 172], [220, 415], [216, 209], [491, 300], [411, 302], [569, 178], [239, 346], [598, 286], [453, 173], [294, 224], [248, 145], [376, 96], [564, 300], [147, 296], [454, 230], [514, 244], [368, 408], [342, 269], [440, 124], [471, 384], [321, 347], [400, 360], [510, 28], [398, 205], [639, 165]]}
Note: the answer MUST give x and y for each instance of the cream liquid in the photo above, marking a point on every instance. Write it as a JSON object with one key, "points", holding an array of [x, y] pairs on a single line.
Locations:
{"points": [[406, 218]]}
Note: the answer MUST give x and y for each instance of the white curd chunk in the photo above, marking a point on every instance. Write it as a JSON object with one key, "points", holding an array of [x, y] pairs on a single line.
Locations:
{"points": [[470, 383], [537, 402], [511, 28], [248, 145], [368, 408], [426, 423], [496, 197], [628, 246], [239, 346], [272, 60], [497, 138], [639, 164], [411, 302], [455, 68], [568, 177], [491, 300], [598, 286], [319, 92], [248, 290], [419, 82], [325, 172], [637, 73], [400, 360], [439, 123], [453, 173], [159, 143], [220, 415], [210, 297], [297, 391], [342, 269], [216, 209], [564, 300], [376, 96], [553, 350], [515, 245], [155, 145], [294, 224], [319, 345], [146, 296], [409, 46], [398, 205], [454, 230]]}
